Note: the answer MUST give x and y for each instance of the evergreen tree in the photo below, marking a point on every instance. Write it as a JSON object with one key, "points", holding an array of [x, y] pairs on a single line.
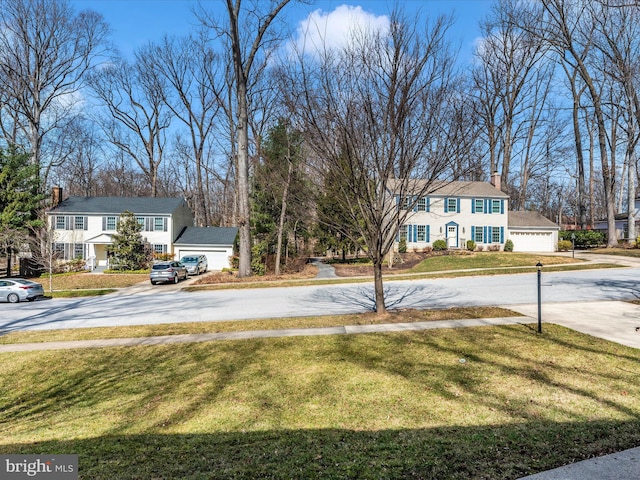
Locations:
{"points": [[129, 250], [19, 201]]}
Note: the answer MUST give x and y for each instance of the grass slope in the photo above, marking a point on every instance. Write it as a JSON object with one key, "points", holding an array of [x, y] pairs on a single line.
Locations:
{"points": [[401, 405]]}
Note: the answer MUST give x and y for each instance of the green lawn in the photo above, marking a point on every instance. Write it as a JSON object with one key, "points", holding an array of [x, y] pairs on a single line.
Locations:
{"points": [[490, 260], [489, 402]]}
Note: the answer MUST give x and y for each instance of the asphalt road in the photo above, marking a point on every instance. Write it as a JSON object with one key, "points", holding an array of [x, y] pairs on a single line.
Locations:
{"points": [[165, 305]]}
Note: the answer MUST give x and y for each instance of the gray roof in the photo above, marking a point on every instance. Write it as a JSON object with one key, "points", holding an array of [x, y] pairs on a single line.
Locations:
{"points": [[530, 219], [457, 188], [207, 236], [117, 205]]}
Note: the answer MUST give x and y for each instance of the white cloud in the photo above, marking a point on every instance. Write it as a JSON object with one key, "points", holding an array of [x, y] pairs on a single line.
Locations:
{"points": [[331, 30]]}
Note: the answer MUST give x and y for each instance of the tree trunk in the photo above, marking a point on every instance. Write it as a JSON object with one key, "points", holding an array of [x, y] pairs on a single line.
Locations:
{"points": [[283, 211], [242, 172], [378, 287]]}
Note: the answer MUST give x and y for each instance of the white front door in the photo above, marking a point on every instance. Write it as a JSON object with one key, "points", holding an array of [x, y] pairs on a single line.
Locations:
{"points": [[452, 236]]}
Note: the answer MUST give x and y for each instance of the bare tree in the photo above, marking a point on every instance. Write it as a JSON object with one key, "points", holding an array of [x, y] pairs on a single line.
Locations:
{"points": [[134, 96], [376, 116], [618, 40], [191, 69], [568, 26], [45, 51], [511, 79], [247, 31]]}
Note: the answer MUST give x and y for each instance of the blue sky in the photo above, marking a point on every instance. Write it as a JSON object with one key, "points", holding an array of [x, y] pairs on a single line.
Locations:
{"points": [[135, 22]]}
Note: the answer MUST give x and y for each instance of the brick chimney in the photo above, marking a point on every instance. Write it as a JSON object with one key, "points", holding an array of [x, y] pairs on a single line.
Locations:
{"points": [[495, 180], [56, 196]]}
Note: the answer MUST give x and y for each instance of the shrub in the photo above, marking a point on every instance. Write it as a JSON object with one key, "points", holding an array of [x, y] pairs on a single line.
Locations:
{"points": [[75, 265], [508, 246], [402, 246], [439, 245], [480, 248], [471, 245], [584, 238], [259, 258], [564, 245], [494, 247]]}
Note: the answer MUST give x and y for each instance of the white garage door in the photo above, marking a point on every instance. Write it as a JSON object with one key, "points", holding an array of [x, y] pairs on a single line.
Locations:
{"points": [[532, 241], [216, 259]]}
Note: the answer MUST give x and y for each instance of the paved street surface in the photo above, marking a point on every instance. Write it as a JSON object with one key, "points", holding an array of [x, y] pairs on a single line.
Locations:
{"points": [[143, 304]]}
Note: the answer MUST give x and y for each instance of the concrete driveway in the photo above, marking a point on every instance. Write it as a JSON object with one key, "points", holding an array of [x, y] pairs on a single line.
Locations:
{"points": [[611, 320]]}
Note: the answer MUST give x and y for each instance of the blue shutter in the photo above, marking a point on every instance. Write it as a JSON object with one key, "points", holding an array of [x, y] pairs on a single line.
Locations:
{"points": [[473, 233], [458, 205], [501, 234], [473, 205], [414, 200], [397, 201], [487, 205], [409, 228], [428, 204], [415, 233], [428, 234], [164, 224], [486, 234], [502, 206], [446, 205]]}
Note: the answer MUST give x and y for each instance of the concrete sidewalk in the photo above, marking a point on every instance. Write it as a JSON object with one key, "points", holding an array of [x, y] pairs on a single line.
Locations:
{"points": [[623, 465]]}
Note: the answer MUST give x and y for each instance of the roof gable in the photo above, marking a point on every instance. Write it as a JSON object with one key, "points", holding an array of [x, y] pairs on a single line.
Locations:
{"points": [[530, 219], [207, 236], [453, 189], [117, 205]]}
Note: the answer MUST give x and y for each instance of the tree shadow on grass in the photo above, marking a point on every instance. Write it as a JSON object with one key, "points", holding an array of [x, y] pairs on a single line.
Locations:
{"points": [[500, 452]]}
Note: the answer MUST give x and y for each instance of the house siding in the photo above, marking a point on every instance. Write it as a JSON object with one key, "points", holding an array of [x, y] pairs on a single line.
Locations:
{"points": [[456, 219]]}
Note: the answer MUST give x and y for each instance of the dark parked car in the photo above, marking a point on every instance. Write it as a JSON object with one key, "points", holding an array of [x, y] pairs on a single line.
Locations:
{"points": [[168, 272], [196, 264], [14, 290]]}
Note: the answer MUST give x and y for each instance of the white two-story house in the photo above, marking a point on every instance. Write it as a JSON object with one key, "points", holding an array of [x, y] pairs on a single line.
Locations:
{"points": [[456, 212], [83, 228]]}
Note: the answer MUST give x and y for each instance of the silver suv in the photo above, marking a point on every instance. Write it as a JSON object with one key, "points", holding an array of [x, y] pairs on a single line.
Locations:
{"points": [[196, 264], [168, 272]]}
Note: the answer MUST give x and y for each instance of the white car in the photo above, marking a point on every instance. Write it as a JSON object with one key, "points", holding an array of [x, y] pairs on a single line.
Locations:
{"points": [[14, 290]]}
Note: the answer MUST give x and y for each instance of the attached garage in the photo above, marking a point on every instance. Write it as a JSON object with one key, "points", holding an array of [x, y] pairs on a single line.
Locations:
{"points": [[214, 242], [532, 232]]}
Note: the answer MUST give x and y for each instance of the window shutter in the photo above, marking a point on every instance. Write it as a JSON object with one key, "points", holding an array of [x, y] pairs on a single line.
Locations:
{"points": [[409, 232], [501, 234], [397, 202], [473, 233], [473, 205], [458, 205], [86, 223], [446, 205], [164, 224], [487, 206], [428, 234], [502, 206], [415, 233], [428, 200], [487, 234], [104, 224]]}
